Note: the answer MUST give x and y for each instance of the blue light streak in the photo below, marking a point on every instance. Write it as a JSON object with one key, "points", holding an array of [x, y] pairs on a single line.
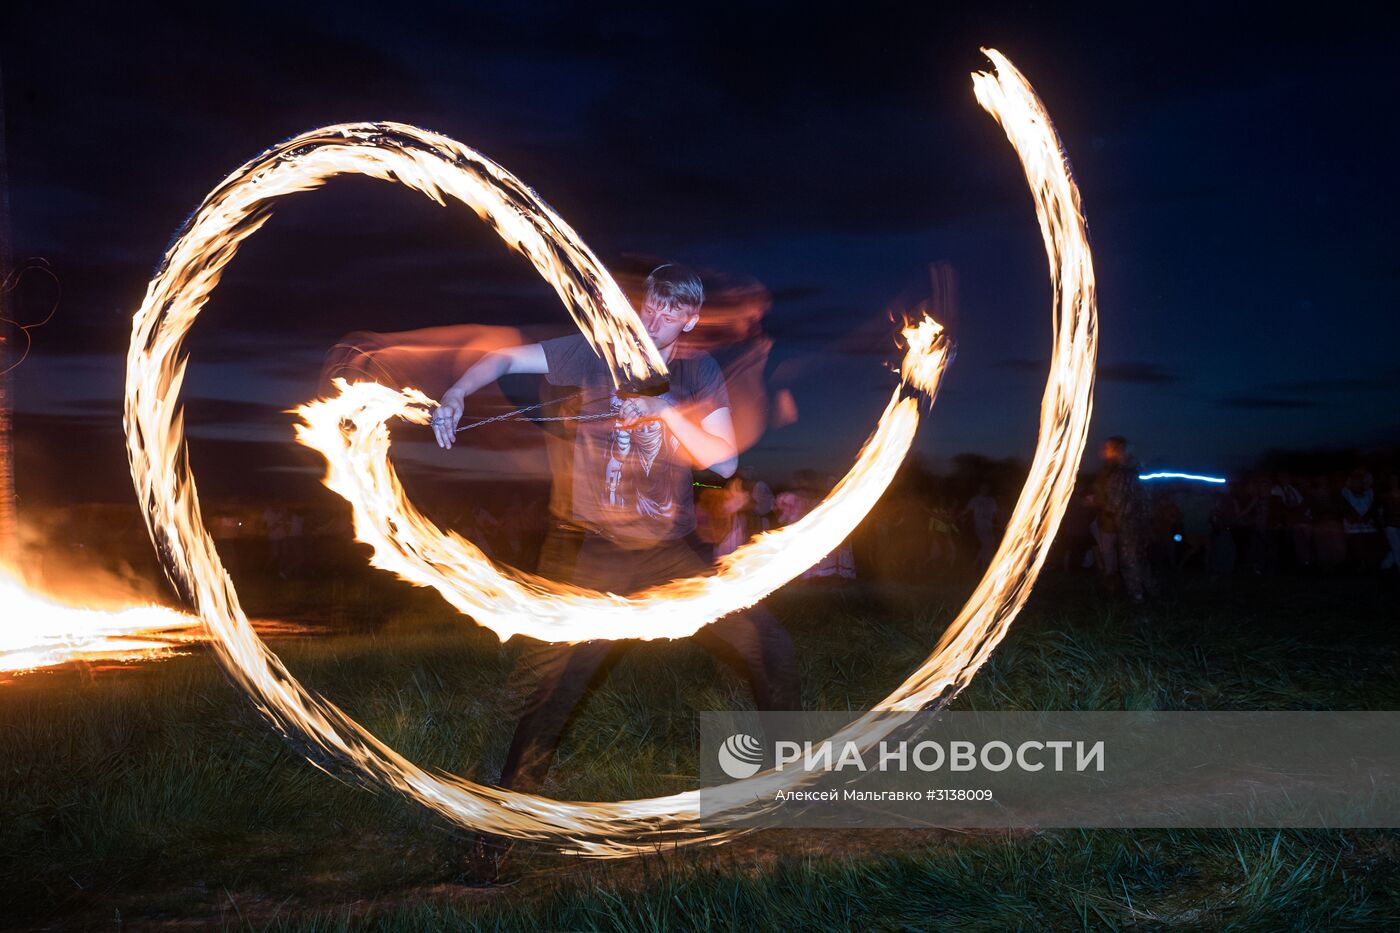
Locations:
{"points": [[1193, 477]]}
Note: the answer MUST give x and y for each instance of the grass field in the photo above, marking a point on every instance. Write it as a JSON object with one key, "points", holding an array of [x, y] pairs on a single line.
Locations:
{"points": [[154, 796]]}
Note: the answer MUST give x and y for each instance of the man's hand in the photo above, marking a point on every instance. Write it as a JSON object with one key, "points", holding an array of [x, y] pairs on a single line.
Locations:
{"points": [[446, 418], [642, 408]]}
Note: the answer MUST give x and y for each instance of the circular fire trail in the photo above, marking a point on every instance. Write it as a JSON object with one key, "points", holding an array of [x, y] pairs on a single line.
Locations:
{"points": [[350, 430]]}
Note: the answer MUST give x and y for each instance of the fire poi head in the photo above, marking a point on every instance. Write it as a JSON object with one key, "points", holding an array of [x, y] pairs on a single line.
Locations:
{"points": [[350, 430]]}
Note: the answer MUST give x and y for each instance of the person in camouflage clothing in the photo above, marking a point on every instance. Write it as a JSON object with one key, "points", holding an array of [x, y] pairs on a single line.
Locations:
{"points": [[1123, 520]]}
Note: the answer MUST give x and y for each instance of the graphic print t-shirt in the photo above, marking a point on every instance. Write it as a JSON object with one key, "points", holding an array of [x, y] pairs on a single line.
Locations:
{"points": [[632, 484]]}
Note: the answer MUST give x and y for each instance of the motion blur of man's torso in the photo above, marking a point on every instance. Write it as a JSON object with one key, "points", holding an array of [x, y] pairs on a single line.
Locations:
{"points": [[632, 485]]}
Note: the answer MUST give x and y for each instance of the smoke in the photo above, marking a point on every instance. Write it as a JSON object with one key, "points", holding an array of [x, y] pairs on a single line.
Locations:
{"points": [[60, 552]]}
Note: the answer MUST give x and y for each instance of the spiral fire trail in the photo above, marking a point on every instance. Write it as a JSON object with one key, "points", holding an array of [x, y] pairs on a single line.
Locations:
{"points": [[511, 601]]}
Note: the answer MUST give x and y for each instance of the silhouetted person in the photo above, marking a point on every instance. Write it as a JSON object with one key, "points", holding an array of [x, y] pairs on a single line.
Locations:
{"points": [[1390, 507], [981, 510], [1122, 520], [1260, 526], [1359, 520], [1224, 519], [1329, 540], [1294, 523]]}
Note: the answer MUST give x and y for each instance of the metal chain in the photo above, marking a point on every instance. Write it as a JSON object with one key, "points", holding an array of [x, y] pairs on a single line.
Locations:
{"points": [[600, 416], [517, 413]]}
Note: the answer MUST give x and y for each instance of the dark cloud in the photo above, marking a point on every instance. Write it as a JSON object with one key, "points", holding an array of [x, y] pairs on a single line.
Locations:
{"points": [[1264, 403], [94, 409], [27, 426], [795, 293], [199, 411], [1024, 366], [1375, 382], [1138, 373]]}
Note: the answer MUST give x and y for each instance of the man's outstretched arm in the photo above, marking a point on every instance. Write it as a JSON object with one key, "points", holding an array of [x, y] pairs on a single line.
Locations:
{"points": [[526, 358], [710, 443]]}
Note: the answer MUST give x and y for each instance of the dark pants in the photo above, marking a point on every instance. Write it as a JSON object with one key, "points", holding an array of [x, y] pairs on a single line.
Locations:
{"points": [[1122, 551], [550, 680]]}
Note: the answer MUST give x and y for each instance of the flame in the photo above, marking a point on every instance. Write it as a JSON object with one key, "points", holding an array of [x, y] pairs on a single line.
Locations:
{"points": [[925, 356], [404, 542], [41, 631]]}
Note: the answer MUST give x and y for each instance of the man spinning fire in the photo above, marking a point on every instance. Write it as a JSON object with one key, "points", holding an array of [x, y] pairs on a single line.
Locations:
{"points": [[632, 502]]}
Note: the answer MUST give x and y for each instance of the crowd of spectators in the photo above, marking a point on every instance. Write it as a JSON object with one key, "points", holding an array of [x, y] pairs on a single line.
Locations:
{"points": [[1281, 523], [1326, 521], [1132, 533], [727, 516]]}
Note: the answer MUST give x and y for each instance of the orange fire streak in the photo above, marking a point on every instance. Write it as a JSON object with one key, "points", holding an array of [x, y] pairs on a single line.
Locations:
{"points": [[439, 166], [42, 631]]}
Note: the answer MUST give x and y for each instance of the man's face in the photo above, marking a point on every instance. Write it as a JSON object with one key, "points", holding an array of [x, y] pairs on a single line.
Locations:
{"points": [[665, 325]]}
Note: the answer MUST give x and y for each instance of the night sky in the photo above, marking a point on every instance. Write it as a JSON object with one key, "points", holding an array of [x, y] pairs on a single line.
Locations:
{"points": [[1236, 168]]}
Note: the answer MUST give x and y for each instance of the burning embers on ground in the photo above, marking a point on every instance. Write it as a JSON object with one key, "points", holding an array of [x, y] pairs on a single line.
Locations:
{"points": [[42, 630]]}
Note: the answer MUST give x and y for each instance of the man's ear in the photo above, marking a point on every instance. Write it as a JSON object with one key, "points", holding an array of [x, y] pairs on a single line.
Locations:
{"points": [[690, 324]]}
